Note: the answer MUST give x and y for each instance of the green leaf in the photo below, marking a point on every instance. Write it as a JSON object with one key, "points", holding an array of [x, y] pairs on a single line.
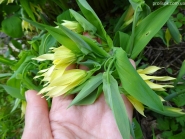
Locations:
{"points": [[82, 45], [115, 102], [123, 21], [26, 6], [12, 26], [96, 49], [137, 129], [83, 22], [174, 31], [178, 136], [63, 39], [62, 4], [6, 61], [91, 98], [88, 88], [163, 123], [14, 92], [148, 27], [181, 74], [134, 84], [46, 42], [16, 104], [161, 35], [3, 75], [121, 40], [64, 16], [91, 16], [137, 3]]}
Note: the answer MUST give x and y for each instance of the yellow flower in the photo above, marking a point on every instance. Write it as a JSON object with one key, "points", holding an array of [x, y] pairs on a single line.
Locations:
{"points": [[9, 1], [73, 25], [62, 58], [57, 79], [27, 26], [63, 83], [147, 78]]}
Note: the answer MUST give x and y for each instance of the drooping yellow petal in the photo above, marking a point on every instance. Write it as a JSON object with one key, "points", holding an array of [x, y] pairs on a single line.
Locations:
{"points": [[158, 78], [157, 87], [57, 91], [148, 70], [69, 76], [177, 110], [137, 105], [45, 57], [45, 89]]}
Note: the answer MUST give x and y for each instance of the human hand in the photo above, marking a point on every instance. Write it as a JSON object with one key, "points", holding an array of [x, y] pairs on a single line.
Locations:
{"points": [[94, 121]]}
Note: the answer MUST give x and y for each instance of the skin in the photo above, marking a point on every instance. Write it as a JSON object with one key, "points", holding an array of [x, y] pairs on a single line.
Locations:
{"points": [[94, 121]]}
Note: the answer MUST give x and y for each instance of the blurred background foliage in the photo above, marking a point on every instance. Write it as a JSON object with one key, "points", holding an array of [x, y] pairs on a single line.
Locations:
{"points": [[166, 49]]}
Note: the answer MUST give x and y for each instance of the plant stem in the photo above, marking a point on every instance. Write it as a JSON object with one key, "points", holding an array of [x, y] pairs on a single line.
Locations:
{"points": [[171, 96]]}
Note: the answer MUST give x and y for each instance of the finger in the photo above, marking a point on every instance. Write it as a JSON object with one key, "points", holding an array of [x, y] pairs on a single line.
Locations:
{"points": [[133, 63], [37, 117], [129, 107]]}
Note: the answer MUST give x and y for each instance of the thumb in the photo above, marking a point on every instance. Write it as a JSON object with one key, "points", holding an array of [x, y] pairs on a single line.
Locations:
{"points": [[37, 124]]}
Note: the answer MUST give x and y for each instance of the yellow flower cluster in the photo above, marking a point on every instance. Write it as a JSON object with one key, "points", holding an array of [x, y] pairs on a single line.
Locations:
{"points": [[157, 87], [150, 70], [58, 79]]}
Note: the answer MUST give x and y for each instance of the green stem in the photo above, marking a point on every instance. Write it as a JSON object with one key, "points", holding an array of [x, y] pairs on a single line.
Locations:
{"points": [[6, 61], [131, 42], [171, 96]]}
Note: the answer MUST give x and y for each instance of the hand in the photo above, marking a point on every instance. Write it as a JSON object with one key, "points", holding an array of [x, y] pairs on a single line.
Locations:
{"points": [[94, 121]]}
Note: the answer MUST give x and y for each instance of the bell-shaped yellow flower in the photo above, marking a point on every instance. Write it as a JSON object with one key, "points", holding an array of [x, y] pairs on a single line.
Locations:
{"points": [[147, 78], [63, 83], [27, 26], [9, 1], [57, 79], [73, 25], [62, 58]]}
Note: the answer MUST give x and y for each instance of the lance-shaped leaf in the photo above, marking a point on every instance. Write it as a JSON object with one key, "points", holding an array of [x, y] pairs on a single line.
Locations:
{"points": [[174, 31], [85, 44], [62, 38], [91, 16], [26, 6], [148, 27], [82, 45], [181, 74], [58, 34], [14, 92], [134, 84], [91, 98], [115, 102], [83, 22], [89, 87], [97, 50]]}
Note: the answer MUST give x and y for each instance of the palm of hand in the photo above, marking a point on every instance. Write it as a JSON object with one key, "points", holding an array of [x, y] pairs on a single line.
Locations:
{"points": [[94, 121]]}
